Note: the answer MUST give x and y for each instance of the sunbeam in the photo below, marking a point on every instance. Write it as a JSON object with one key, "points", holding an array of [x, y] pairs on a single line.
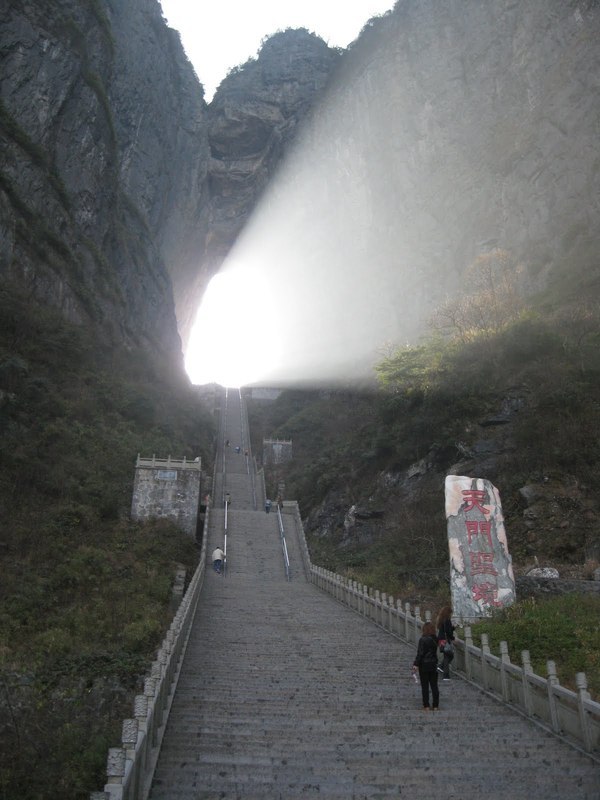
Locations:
{"points": [[234, 341], [404, 175]]}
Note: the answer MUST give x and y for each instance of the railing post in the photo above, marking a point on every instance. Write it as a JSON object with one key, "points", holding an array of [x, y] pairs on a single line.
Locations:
{"points": [[156, 671], [504, 659], [406, 621], [582, 696], [468, 645], [115, 771], [527, 670], [129, 737], [163, 660], [399, 616], [551, 682], [485, 651]]}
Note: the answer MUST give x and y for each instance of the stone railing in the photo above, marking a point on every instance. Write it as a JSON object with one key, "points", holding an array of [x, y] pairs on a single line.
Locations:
{"points": [[572, 715], [168, 463], [130, 767]]}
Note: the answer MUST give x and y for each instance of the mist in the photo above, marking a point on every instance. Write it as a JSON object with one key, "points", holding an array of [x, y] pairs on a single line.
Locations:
{"points": [[423, 156]]}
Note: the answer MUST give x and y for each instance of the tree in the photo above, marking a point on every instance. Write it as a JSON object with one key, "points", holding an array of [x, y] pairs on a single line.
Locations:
{"points": [[489, 300]]}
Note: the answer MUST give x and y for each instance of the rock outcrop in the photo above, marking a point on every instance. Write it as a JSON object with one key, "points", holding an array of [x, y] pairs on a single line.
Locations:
{"points": [[120, 192], [254, 117], [105, 155]]}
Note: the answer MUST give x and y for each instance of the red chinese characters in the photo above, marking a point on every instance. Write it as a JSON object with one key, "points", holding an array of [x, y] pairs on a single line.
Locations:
{"points": [[487, 592], [474, 498], [481, 547], [478, 527]]}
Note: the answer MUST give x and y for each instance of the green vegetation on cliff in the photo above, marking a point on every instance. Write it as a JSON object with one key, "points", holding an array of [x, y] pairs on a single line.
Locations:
{"points": [[85, 593]]}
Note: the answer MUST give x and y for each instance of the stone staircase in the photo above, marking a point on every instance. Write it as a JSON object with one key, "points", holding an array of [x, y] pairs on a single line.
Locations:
{"points": [[285, 693]]}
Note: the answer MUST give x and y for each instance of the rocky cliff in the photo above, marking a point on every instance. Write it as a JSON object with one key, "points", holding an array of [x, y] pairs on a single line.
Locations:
{"points": [[448, 131], [121, 191], [104, 162], [442, 134], [253, 120]]}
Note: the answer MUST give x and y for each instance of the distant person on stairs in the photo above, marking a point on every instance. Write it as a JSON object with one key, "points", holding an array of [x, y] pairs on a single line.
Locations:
{"points": [[217, 559], [268, 506], [426, 662]]}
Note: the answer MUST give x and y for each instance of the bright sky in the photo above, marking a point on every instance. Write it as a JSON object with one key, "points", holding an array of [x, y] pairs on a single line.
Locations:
{"points": [[221, 34], [242, 344]]}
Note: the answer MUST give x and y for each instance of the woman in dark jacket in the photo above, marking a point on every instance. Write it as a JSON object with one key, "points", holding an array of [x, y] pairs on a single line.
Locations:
{"points": [[426, 662], [445, 634]]}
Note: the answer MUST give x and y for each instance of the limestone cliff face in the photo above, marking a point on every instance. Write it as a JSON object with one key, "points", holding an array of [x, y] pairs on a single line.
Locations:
{"points": [[448, 131], [120, 192], [445, 131], [478, 123], [104, 162]]}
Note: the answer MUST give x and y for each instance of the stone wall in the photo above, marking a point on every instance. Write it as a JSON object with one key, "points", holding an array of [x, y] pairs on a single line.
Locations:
{"points": [[168, 491], [276, 451]]}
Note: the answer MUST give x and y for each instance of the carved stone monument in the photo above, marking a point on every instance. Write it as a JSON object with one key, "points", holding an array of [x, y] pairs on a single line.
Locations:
{"points": [[481, 574]]}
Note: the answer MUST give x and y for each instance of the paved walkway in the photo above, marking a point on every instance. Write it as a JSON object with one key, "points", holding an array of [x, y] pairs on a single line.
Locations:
{"points": [[285, 693]]}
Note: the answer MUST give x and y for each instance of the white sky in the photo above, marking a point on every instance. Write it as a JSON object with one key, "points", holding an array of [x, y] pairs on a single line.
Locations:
{"points": [[220, 34]]}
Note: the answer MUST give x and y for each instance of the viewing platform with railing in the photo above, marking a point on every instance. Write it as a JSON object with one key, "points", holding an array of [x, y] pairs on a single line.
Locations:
{"points": [[168, 463]]}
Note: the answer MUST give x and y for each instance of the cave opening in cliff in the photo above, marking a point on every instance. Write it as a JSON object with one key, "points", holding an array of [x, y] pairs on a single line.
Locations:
{"points": [[232, 342]]}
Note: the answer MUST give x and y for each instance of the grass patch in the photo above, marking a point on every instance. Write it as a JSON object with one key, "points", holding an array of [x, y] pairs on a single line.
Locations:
{"points": [[564, 629]]}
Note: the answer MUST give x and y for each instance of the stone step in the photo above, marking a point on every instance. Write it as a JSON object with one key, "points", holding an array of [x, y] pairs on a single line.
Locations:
{"points": [[284, 783], [362, 759]]}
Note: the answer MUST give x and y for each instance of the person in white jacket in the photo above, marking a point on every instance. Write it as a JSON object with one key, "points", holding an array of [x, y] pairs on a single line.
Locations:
{"points": [[218, 557]]}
